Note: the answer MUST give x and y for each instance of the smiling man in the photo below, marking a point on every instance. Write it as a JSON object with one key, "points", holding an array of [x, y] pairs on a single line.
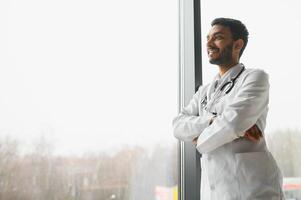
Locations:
{"points": [[226, 119]]}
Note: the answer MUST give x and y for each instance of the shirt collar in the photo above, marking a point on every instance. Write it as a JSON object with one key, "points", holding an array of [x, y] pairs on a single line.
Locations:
{"points": [[230, 73]]}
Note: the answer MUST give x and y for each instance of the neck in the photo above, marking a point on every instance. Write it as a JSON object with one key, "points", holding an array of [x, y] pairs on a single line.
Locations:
{"points": [[225, 67]]}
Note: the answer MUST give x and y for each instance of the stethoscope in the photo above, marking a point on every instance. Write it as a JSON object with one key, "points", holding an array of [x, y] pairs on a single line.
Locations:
{"points": [[228, 86]]}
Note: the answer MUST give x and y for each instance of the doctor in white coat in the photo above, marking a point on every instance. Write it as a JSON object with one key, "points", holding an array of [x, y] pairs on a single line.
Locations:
{"points": [[226, 120]]}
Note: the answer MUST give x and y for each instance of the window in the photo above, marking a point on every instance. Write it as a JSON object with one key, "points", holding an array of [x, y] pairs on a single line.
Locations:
{"points": [[88, 90]]}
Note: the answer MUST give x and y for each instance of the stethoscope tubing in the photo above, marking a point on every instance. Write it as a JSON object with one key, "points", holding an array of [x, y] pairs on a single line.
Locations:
{"points": [[232, 82]]}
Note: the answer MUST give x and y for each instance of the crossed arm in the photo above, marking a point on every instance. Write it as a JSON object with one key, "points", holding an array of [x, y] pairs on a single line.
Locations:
{"points": [[253, 134], [237, 120]]}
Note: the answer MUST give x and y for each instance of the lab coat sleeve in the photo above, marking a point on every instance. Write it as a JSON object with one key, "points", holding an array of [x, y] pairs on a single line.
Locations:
{"points": [[239, 115], [190, 123]]}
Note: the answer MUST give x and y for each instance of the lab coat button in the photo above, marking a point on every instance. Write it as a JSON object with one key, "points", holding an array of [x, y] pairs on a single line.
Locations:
{"points": [[212, 187]]}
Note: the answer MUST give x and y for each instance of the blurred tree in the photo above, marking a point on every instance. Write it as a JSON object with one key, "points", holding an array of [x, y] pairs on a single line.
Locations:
{"points": [[131, 173], [285, 145], [8, 168], [154, 169]]}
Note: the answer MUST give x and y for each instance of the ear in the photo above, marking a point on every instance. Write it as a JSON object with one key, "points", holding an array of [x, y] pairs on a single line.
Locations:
{"points": [[238, 44]]}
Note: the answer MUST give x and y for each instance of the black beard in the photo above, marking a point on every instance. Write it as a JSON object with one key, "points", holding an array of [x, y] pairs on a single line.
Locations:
{"points": [[225, 56]]}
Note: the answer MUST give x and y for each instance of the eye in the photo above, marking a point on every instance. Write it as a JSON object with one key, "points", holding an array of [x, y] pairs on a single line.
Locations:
{"points": [[219, 37]]}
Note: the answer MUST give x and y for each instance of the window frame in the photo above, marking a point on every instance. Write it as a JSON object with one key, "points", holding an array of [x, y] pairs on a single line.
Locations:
{"points": [[190, 78]]}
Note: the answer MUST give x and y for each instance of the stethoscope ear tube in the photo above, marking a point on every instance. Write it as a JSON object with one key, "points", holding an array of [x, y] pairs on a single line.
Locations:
{"points": [[232, 82]]}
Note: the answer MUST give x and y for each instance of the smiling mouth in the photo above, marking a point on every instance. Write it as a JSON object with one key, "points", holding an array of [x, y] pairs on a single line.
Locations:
{"points": [[212, 51]]}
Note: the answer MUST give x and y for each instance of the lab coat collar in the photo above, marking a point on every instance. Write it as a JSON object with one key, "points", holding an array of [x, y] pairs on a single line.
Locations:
{"points": [[231, 73], [219, 81]]}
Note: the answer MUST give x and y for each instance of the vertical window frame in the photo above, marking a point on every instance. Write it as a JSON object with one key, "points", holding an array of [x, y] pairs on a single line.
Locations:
{"points": [[190, 78]]}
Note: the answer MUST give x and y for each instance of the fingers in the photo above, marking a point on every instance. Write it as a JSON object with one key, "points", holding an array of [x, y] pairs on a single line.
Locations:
{"points": [[258, 131], [211, 120], [254, 134], [195, 141], [250, 137]]}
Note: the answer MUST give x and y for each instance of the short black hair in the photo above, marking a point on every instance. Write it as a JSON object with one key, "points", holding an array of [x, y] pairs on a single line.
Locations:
{"points": [[237, 28]]}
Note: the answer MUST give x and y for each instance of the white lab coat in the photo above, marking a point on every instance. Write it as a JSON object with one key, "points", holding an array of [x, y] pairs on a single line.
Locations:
{"points": [[233, 168]]}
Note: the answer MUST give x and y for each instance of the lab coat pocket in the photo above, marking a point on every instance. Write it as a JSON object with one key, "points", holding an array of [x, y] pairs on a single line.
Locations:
{"points": [[257, 176]]}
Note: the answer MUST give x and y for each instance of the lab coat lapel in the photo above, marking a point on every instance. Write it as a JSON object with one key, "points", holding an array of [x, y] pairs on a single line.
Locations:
{"points": [[230, 74], [214, 92]]}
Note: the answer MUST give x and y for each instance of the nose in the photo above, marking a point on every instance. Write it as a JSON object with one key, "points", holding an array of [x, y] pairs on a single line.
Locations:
{"points": [[209, 42]]}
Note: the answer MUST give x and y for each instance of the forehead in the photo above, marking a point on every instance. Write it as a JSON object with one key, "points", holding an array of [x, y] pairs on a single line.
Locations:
{"points": [[219, 29]]}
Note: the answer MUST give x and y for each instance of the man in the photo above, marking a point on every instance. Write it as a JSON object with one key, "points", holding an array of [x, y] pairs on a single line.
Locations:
{"points": [[226, 120]]}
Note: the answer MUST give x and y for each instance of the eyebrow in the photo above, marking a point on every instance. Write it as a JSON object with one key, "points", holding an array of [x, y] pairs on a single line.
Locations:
{"points": [[217, 33]]}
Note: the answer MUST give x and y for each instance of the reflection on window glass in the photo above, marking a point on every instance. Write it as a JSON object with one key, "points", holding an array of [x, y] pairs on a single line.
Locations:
{"points": [[87, 93], [270, 24]]}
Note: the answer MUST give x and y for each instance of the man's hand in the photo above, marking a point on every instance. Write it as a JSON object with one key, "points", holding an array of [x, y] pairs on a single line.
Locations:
{"points": [[195, 141], [254, 134]]}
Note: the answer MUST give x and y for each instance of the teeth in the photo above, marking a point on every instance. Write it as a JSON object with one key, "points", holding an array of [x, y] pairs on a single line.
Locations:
{"points": [[211, 51]]}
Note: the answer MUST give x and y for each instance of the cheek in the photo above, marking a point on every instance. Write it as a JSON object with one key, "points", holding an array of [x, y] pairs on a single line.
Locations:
{"points": [[221, 47]]}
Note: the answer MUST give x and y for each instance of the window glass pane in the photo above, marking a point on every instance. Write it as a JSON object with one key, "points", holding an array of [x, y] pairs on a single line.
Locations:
{"points": [[272, 48], [88, 90]]}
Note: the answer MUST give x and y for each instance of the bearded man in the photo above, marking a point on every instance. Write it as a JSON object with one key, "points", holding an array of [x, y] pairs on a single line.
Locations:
{"points": [[226, 120]]}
